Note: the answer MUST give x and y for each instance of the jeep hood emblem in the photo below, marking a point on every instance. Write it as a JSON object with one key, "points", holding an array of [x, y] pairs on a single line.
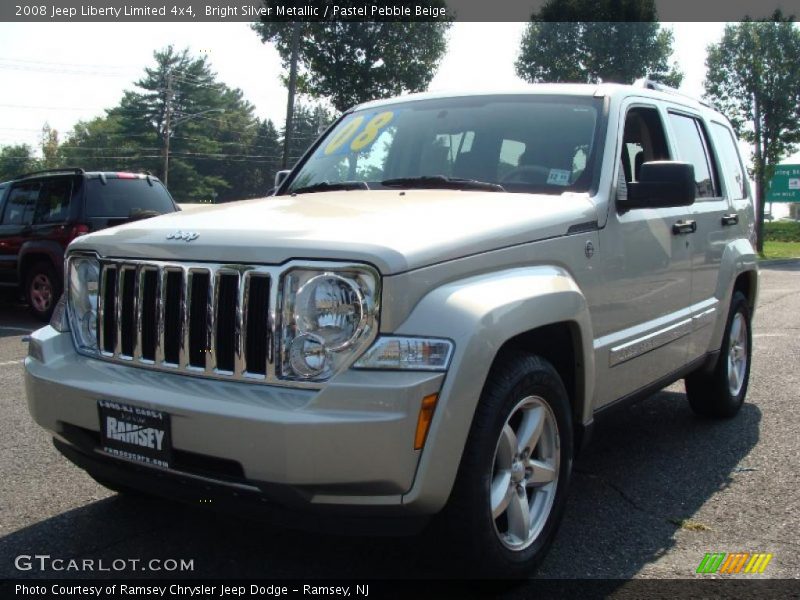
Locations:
{"points": [[186, 236]]}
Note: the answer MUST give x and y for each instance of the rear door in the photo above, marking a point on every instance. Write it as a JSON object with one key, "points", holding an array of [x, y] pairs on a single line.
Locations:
{"points": [[15, 226], [120, 198], [54, 209], [692, 144]]}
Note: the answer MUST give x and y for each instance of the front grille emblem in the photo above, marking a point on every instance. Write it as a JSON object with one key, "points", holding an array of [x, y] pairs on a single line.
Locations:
{"points": [[186, 236]]}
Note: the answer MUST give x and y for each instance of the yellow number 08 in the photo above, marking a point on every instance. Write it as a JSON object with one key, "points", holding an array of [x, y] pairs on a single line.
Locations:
{"points": [[363, 139]]}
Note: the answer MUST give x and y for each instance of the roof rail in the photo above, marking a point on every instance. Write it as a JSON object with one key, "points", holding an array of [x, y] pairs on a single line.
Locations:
{"points": [[75, 170], [649, 84]]}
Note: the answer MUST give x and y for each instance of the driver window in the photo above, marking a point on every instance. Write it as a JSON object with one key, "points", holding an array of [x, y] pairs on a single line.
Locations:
{"points": [[643, 141]]}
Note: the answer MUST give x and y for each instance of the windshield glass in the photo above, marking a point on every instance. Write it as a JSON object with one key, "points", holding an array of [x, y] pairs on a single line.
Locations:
{"points": [[542, 144]]}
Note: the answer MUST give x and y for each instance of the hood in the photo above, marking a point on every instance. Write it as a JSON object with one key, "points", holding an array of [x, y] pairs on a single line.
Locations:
{"points": [[393, 230]]}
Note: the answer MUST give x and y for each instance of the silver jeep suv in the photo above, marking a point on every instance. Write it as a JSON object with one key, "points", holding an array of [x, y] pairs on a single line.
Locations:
{"points": [[423, 321]]}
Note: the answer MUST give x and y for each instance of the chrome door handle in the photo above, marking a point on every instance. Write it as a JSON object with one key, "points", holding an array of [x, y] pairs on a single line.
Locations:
{"points": [[683, 227], [731, 219]]}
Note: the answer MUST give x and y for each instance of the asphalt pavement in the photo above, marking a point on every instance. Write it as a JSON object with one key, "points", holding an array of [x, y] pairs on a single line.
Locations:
{"points": [[656, 489]]}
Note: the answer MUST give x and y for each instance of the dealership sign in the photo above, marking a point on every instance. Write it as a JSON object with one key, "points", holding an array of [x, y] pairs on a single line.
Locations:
{"points": [[785, 184]]}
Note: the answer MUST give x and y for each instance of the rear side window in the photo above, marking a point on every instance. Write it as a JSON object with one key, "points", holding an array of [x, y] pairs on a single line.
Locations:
{"points": [[124, 198], [21, 203], [54, 199], [725, 143], [692, 148]]}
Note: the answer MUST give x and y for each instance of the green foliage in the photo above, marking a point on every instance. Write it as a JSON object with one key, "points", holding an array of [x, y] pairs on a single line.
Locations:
{"points": [[308, 123], [586, 41], [16, 160], [754, 78], [782, 231], [219, 150], [353, 62]]}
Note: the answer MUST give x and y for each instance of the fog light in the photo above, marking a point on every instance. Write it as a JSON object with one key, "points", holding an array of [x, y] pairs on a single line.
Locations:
{"points": [[308, 355]]}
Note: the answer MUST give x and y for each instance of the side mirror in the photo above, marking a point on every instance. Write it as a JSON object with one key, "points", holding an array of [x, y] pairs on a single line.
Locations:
{"points": [[661, 184], [280, 177]]}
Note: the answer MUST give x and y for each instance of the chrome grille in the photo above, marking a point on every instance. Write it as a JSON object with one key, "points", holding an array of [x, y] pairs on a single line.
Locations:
{"points": [[208, 320]]}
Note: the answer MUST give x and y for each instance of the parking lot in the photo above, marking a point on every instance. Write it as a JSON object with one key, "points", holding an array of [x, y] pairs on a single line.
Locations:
{"points": [[656, 490]]}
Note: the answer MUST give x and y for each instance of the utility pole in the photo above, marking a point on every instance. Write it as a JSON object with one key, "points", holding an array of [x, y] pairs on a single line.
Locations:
{"points": [[167, 125], [287, 135]]}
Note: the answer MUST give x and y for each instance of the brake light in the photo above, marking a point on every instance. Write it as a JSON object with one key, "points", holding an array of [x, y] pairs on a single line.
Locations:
{"points": [[127, 176], [76, 230]]}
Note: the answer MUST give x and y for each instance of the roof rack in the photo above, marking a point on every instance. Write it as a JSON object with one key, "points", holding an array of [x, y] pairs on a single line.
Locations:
{"points": [[649, 84], [75, 170]]}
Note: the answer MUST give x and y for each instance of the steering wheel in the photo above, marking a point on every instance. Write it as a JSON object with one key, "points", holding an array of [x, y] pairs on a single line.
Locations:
{"points": [[517, 174]]}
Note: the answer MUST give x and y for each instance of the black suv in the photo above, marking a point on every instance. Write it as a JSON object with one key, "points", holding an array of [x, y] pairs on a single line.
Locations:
{"points": [[42, 212]]}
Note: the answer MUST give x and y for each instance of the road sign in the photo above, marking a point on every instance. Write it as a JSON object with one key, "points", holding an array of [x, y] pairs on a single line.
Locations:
{"points": [[785, 184]]}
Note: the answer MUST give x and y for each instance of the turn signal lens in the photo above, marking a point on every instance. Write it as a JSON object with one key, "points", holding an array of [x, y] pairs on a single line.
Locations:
{"points": [[424, 420]]}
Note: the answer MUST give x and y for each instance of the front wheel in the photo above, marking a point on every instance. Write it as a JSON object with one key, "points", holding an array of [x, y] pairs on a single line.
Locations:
{"points": [[721, 392], [512, 482]]}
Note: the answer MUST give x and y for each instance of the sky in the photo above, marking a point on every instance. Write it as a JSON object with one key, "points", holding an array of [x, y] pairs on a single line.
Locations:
{"points": [[62, 72]]}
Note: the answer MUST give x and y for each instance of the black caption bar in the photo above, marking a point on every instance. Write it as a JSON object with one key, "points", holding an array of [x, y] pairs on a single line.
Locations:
{"points": [[587, 589], [354, 10]]}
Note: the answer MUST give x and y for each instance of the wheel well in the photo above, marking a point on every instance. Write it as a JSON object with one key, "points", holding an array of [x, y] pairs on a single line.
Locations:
{"points": [[28, 261], [747, 284], [560, 345]]}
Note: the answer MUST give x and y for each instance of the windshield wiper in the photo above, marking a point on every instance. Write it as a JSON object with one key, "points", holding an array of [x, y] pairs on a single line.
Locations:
{"points": [[325, 186], [443, 183]]}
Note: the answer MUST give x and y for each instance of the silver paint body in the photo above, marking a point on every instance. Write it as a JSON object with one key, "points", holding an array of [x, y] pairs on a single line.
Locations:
{"points": [[477, 268]]}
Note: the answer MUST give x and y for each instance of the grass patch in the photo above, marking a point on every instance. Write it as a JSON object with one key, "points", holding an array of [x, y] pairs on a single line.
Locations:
{"points": [[690, 525], [774, 250], [782, 231]]}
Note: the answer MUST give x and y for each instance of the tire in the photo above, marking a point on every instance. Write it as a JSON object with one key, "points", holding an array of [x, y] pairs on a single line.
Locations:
{"points": [[42, 290], [721, 392], [485, 520]]}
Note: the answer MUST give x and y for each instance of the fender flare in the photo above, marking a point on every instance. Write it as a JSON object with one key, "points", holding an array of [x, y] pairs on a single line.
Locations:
{"points": [[50, 249], [479, 314], [738, 257]]}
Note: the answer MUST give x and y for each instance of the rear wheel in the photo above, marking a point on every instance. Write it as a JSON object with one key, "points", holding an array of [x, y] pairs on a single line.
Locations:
{"points": [[721, 392], [42, 290], [512, 482]]}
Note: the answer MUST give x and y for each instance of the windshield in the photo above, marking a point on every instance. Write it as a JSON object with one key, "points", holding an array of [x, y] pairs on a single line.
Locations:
{"points": [[124, 198], [543, 144]]}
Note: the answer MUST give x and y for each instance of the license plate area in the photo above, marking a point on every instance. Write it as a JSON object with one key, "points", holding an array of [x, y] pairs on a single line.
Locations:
{"points": [[135, 433]]}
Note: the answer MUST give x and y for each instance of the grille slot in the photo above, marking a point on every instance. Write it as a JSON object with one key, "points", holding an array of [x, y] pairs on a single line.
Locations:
{"points": [[211, 320], [198, 309], [126, 303], [172, 301], [149, 313], [257, 327], [226, 319]]}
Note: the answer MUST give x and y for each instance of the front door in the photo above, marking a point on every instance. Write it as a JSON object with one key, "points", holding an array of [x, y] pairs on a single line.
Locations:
{"points": [[642, 311]]}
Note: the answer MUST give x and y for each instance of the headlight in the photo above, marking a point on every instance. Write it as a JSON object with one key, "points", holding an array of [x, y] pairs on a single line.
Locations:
{"points": [[328, 318], [84, 275], [407, 353]]}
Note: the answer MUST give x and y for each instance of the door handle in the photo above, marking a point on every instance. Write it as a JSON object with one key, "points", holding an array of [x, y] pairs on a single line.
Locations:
{"points": [[731, 219], [683, 227]]}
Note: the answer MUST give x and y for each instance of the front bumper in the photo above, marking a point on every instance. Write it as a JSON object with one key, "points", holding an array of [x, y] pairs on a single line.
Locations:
{"points": [[346, 446]]}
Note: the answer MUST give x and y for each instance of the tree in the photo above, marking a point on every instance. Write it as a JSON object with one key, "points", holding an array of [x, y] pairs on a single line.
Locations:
{"points": [[211, 131], [352, 62], [16, 160], [586, 41], [51, 158], [310, 120], [754, 78]]}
